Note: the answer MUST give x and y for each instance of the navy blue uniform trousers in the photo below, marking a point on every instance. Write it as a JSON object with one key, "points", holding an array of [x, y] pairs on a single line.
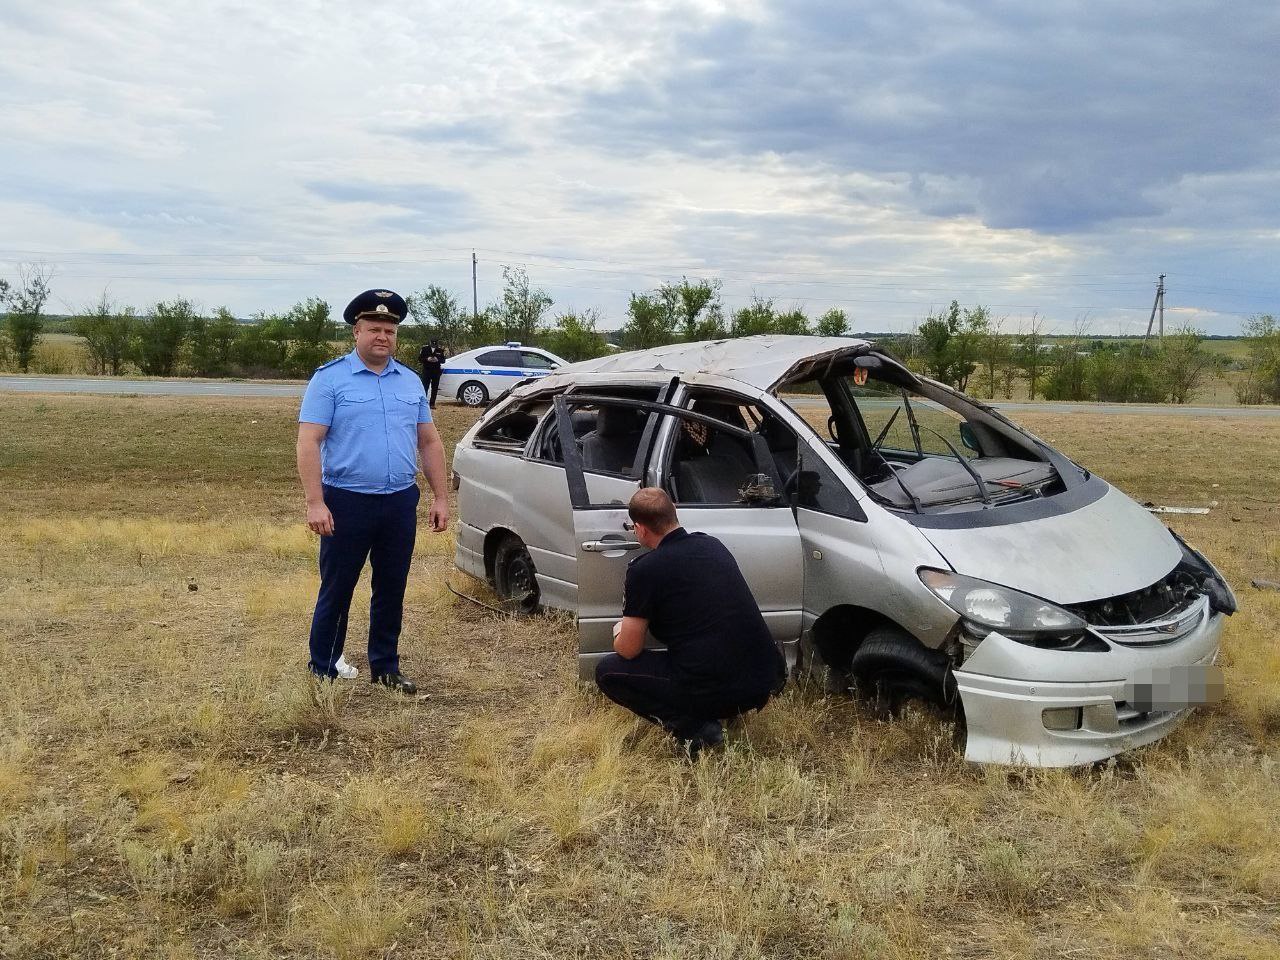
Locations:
{"points": [[645, 686], [380, 528], [431, 385]]}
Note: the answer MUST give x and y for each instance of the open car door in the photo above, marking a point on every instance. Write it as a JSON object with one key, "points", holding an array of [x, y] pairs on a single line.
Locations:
{"points": [[603, 541], [759, 529]]}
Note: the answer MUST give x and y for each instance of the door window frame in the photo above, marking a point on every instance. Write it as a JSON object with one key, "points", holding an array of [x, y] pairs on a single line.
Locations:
{"points": [[575, 471]]}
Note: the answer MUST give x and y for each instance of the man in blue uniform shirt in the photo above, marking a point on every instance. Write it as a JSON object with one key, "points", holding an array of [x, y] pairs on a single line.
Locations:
{"points": [[364, 424], [689, 593]]}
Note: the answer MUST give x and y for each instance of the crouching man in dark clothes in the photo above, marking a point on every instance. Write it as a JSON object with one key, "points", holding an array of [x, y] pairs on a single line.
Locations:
{"points": [[720, 659]]}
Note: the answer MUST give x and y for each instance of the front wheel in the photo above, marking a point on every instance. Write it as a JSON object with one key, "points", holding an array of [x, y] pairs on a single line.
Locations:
{"points": [[893, 669], [515, 577], [473, 394]]}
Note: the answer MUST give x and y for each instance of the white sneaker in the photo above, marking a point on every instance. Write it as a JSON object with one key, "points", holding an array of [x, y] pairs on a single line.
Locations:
{"points": [[345, 670]]}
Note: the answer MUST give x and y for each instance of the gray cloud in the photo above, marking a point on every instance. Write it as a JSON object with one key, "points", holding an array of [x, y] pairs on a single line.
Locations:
{"points": [[1057, 120], [128, 207], [478, 136], [421, 206]]}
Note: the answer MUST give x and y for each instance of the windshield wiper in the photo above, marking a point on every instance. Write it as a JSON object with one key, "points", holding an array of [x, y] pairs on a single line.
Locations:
{"points": [[982, 486], [915, 501], [883, 433], [915, 427]]}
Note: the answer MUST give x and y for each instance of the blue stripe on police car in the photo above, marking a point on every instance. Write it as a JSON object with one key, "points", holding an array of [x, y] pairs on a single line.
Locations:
{"points": [[486, 373]]}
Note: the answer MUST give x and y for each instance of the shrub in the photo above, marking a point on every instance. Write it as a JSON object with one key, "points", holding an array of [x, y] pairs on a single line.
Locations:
{"points": [[159, 336]]}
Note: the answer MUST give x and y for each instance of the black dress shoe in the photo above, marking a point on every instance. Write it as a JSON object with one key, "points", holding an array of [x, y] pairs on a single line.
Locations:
{"points": [[396, 681], [708, 736]]}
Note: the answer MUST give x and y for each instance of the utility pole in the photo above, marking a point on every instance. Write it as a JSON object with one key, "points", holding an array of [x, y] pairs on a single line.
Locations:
{"points": [[1156, 306], [475, 302], [1160, 299]]}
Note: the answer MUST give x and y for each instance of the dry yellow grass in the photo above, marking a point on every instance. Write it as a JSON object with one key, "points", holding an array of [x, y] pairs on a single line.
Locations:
{"points": [[172, 785]]}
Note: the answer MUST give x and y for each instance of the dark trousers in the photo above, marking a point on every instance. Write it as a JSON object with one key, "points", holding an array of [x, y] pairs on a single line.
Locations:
{"points": [[380, 528], [645, 686], [431, 384]]}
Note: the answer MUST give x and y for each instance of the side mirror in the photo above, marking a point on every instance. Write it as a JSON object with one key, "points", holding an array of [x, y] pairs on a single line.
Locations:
{"points": [[969, 438]]}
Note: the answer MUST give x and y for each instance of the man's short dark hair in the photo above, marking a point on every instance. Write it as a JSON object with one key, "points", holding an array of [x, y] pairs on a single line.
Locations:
{"points": [[652, 507]]}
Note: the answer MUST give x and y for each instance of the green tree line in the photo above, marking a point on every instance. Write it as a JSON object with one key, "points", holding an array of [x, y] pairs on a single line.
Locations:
{"points": [[965, 347], [968, 349]]}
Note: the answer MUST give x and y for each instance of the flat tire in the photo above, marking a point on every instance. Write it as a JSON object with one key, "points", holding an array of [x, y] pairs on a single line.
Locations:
{"points": [[891, 668], [515, 577]]}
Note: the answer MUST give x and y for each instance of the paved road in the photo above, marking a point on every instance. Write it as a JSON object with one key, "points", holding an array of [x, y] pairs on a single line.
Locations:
{"points": [[181, 388], [242, 388]]}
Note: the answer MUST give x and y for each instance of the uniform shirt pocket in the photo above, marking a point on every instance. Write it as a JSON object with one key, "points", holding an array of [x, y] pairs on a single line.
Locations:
{"points": [[358, 409], [406, 408]]}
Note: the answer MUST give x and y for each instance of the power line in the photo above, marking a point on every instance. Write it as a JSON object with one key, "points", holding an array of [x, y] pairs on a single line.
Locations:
{"points": [[862, 278], [413, 257]]}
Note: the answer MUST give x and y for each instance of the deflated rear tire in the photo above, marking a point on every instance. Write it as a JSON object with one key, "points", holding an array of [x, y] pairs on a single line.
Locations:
{"points": [[515, 577]]}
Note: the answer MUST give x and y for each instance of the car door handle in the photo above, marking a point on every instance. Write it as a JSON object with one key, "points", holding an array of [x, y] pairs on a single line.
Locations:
{"points": [[604, 546]]}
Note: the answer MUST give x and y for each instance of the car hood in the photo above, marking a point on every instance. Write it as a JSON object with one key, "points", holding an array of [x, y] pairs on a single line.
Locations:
{"points": [[1103, 549]]}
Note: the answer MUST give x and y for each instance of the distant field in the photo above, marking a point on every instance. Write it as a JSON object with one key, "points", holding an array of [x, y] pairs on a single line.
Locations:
{"points": [[170, 788], [1235, 349]]}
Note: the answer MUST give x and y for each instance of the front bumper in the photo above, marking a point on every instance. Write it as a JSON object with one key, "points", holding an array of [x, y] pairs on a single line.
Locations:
{"points": [[1005, 703]]}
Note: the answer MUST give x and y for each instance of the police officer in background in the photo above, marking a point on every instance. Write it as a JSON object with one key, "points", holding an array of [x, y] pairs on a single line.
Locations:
{"points": [[720, 661], [432, 357], [364, 424]]}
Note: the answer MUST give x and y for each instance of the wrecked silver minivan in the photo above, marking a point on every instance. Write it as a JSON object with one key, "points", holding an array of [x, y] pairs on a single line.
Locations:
{"points": [[898, 536]]}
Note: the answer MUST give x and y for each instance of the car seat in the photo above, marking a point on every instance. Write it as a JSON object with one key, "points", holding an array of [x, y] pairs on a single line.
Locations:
{"points": [[717, 475], [612, 445], [783, 448]]}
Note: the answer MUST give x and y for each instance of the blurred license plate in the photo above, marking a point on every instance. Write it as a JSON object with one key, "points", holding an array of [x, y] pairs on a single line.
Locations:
{"points": [[1175, 688]]}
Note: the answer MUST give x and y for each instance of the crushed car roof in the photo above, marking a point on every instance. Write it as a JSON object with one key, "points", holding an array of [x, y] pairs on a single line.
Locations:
{"points": [[759, 361]]}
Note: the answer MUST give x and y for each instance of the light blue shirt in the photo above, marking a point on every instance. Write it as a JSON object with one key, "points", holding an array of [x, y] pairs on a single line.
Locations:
{"points": [[372, 443]]}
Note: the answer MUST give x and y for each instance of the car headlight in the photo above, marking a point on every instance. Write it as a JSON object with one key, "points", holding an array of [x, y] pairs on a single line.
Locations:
{"points": [[1019, 616]]}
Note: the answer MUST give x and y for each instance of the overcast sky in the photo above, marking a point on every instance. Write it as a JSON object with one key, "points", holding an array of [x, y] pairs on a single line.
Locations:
{"points": [[1049, 157]]}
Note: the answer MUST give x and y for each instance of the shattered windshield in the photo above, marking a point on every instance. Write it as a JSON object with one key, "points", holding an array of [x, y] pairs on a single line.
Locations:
{"points": [[897, 421], [922, 449]]}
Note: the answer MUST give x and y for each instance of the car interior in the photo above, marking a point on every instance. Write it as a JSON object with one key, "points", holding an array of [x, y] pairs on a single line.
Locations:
{"points": [[611, 445], [910, 445], [916, 448], [714, 466], [510, 432], [608, 437], [706, 465]]}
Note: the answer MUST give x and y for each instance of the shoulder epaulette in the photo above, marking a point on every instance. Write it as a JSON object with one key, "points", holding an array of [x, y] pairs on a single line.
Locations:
{"points": [[326, 366]]}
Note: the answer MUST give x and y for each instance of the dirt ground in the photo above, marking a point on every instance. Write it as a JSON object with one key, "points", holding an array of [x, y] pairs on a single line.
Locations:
{"points": [[172, 787]]}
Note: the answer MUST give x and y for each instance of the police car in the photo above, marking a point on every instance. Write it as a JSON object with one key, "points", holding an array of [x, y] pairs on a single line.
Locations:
{"points": [[478, 375]]}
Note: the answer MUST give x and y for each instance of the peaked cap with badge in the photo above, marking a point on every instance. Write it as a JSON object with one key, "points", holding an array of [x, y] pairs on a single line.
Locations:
{"points": [[376, 305]]}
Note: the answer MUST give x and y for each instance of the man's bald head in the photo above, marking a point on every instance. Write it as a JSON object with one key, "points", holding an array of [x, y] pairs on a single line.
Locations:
{"points": [[652, 507]]}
